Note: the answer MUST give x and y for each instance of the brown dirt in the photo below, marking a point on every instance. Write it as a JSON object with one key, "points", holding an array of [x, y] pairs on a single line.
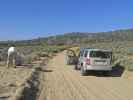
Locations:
{"points": [[61, 82], [12, 79]]}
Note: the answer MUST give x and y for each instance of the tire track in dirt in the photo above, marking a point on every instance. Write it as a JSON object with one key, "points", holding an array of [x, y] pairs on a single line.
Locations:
{"points": [[94, 88], [64, 83], [92, 91], [83, 91], [100, 91], [119, 88], [75, 92]]}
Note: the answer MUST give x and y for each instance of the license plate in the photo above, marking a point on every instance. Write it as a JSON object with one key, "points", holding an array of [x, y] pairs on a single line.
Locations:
{"points": [[100, 62]]}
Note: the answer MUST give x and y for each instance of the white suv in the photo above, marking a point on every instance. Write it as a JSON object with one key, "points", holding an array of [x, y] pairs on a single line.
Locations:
{"points": [[94, 59]]}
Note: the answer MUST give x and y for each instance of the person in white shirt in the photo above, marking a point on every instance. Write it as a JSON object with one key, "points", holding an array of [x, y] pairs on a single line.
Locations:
{"points": [[12, 53]]}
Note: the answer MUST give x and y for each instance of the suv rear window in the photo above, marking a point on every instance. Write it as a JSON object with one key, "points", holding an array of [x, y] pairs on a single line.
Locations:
{"points": [[101, 54]]}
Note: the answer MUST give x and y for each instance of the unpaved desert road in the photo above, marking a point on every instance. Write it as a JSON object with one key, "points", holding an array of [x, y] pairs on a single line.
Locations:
{"points": [[61, 82]]}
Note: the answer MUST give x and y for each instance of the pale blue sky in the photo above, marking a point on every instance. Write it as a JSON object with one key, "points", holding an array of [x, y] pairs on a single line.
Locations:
{"points": [[26, 19]]}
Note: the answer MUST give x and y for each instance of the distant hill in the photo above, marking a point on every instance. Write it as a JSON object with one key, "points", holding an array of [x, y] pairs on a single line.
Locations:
{"points": [[77, 38]]}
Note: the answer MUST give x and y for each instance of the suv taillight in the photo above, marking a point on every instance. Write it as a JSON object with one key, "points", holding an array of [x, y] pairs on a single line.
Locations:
{"points": [[87, 61]]}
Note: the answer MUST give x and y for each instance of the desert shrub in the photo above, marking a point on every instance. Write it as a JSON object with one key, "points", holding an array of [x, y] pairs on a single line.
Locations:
{"points": [[128, 63], [129, 51], [130, 68], [28, 59], [3, 54], [35, 57], [43, 54]]}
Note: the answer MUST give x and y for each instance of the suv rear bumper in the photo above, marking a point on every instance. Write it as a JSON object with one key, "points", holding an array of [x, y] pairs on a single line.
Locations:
{"points": [[102, 68]]}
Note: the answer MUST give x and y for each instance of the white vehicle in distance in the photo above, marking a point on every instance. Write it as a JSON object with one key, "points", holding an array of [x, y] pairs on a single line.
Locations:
{"points": [[94, 60]]}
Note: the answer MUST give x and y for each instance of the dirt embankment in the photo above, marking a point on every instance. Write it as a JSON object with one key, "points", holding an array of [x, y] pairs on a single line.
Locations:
{"points": [[11, 80], [61, 82], [19, 83]]}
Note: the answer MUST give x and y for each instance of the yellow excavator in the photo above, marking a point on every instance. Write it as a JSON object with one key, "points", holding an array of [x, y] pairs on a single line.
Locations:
{"points": [[72, 56]]}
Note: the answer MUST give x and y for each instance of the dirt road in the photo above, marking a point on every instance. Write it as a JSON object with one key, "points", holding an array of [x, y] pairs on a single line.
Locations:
{"points": [[61, 82]]}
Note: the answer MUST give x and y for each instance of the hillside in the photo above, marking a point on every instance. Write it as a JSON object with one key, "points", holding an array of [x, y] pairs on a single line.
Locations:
{"points": [[77, 38]]}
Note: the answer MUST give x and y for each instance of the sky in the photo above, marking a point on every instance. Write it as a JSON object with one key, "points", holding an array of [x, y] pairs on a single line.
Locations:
{"points": [[27, 19]]}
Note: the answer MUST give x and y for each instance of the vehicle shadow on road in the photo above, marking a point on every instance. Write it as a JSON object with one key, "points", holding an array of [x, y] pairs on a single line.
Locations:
{"points": [[118, 70]]}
